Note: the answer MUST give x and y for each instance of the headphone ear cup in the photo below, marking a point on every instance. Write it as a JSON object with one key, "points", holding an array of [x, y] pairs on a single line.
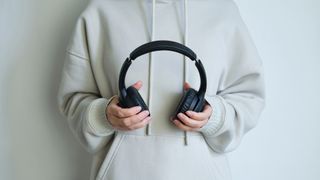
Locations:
{"points": [[188, 101], [200, 104], [135, 99]]}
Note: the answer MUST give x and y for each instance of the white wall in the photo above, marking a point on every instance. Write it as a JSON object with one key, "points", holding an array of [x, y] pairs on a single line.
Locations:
{"points": [[286, 143], [36, 143]]}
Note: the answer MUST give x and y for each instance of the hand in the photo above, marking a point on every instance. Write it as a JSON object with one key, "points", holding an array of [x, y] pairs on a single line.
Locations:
{"points": [[127, 118], [193, 120]]}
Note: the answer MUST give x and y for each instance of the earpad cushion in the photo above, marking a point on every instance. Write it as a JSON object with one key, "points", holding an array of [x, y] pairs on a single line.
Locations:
{"points": [[200, 104], [188, 99], [135, 99]]}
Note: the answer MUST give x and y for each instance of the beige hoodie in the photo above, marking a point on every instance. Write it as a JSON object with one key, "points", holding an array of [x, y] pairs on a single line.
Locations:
{"points": [[105, 34]]}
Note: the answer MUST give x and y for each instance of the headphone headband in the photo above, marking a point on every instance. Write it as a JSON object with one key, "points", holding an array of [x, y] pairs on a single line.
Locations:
{"points": [[157, 46], [162, 45]]}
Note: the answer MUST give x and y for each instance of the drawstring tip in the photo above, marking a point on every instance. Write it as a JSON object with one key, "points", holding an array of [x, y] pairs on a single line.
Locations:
{"points": [[185, 138], [148, 131]]}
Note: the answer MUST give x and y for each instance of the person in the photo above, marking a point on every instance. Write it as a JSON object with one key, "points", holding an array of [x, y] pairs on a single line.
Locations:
{"points": [[126, 143]]}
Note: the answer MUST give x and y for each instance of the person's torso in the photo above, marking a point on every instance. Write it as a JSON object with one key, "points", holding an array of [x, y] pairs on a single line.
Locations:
{"points": [[116, 28]]}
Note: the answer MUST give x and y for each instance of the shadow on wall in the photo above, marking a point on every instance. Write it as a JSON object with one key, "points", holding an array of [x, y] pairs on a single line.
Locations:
{"points": [[43, 146]]}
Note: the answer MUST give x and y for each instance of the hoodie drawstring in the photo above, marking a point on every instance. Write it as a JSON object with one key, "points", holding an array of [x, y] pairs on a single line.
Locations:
{"points": [[184, 57], [185, 63], [150, 64]]}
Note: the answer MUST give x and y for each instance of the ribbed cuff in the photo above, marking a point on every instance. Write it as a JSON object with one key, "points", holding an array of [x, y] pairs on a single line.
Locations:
{"points": [[217, 117], [97, 118]]}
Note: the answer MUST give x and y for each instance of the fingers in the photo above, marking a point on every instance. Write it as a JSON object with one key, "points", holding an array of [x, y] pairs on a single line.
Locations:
{"points": [[186, 86], [137, 85], [140, 124], [191, 122], [120, 112], [205, 114], [127, 122], [133, 122], [182, 126]]}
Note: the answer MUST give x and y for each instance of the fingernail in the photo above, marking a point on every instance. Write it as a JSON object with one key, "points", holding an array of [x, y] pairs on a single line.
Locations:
{"points": [[139, 108]]}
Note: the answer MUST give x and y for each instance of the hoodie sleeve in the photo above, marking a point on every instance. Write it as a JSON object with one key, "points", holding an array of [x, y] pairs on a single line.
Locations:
{"points": [[241, 94], [79, 100]]}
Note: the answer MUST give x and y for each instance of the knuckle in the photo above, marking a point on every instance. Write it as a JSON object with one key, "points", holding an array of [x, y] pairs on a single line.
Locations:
{"points": [[194, 114], [126, 122], [119, 113], [185, 118]]}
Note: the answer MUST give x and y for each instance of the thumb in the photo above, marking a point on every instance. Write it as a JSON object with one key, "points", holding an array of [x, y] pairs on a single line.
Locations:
{"points": [[186, 86], [137, 85]]}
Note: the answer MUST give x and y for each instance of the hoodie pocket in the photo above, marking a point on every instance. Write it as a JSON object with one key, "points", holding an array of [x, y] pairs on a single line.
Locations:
{"points": [[218, 163], [109, 158], [162, 157]]}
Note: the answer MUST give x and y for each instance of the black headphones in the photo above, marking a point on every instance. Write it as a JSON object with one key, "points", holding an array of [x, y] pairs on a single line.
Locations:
{"points": [[191, 100]]}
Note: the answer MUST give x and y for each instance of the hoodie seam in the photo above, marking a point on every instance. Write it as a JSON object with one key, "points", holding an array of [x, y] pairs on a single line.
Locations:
{"points": [[77, 55]]}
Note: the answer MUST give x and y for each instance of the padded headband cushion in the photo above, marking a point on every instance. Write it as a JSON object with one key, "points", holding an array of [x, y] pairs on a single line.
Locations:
{"points": [[162, 45]]}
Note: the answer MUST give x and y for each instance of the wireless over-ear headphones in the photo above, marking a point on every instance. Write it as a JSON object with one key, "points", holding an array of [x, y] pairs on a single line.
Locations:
{"points": [[191, 100]]}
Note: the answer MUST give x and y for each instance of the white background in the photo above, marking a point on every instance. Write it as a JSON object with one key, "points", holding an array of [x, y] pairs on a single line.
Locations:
{"points": [[36, 143]]}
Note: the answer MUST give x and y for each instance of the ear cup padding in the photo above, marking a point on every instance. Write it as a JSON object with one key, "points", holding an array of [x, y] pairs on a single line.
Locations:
{"points": [[135, 99], [200, 104], [188, 99]]}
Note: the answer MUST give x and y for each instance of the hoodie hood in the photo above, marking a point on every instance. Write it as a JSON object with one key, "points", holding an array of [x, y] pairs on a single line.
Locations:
{"points": [[185, 42]]}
